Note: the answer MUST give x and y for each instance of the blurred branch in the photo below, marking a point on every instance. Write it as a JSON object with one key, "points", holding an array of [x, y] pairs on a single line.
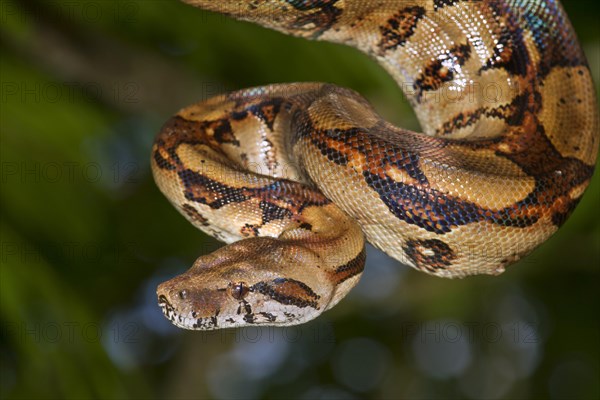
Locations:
{"points": [[129, 78]]}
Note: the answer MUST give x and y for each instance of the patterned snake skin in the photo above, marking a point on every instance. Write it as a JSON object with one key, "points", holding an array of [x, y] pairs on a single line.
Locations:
{"points": [[296, 176]]}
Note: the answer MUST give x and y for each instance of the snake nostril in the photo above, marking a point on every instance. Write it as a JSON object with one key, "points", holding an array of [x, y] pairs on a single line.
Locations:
{"points": [[162, 300], [183, 294]]}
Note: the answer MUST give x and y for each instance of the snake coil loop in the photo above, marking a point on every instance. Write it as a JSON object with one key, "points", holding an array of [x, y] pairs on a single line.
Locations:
{"points": [[295, 176]]}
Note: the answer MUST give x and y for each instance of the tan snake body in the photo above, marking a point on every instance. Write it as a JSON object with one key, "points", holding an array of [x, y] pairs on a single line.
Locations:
{"points": [[296, 176]]}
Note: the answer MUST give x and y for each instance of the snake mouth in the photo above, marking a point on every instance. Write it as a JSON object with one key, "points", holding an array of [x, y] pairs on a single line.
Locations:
{"points": [[181, 321], [167, 309]]}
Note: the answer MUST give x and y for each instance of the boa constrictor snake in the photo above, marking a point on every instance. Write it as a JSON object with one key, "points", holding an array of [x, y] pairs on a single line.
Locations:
{"points": [[295, 176]]}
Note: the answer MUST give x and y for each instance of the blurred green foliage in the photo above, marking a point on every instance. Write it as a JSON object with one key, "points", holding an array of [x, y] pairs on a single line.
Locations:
{"points": [[86, 235]]}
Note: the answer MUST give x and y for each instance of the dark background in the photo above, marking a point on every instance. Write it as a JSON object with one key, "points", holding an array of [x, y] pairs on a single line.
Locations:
{"points": [[87, 236]]}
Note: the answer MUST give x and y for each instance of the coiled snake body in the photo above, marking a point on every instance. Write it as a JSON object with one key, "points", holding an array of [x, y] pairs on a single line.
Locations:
{"points": [[295, 176]]}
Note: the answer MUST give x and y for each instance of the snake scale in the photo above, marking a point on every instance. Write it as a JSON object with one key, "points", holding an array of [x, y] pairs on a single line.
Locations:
{"points": [[294, 177]]}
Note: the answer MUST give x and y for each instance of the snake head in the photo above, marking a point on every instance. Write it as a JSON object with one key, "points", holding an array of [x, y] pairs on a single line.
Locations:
{"points": [[247, 283]]}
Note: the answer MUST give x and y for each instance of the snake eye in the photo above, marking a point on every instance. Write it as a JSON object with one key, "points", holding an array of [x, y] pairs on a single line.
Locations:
{"points": [[183, 294], [239, 290]]}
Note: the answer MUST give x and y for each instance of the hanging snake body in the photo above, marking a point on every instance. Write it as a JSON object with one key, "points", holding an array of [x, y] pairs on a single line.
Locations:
{"points": [[295, 176]]}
